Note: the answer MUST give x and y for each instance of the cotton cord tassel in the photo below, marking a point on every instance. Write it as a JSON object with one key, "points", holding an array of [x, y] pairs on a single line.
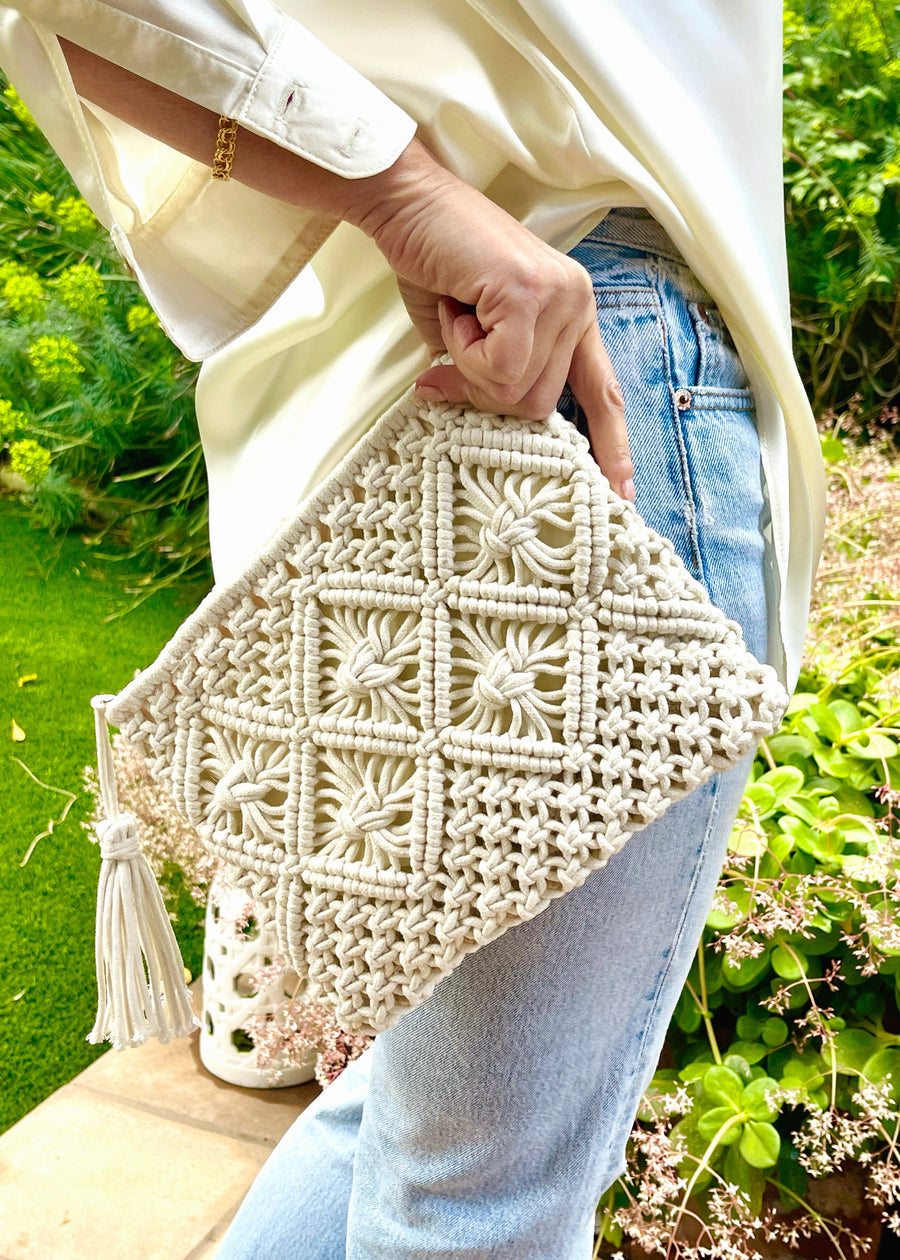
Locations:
{"points": [[133, 928]]}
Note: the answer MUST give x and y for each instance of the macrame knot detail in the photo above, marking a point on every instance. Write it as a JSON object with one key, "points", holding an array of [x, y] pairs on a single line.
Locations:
{"points": [[503, 681], [507, 530], [366, 814], [119, 839], [367, 669], [236, 789]]}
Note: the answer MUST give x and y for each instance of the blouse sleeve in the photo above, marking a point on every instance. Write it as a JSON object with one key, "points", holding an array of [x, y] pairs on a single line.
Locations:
{"points": [[210, 255]]}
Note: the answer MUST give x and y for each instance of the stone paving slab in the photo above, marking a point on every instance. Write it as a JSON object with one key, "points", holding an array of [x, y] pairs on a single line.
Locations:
{"points": [[145, 1156]]}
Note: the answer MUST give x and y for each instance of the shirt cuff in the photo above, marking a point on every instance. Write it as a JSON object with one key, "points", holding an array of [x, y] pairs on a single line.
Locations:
{"points": [[276, 79], [333, 117]]}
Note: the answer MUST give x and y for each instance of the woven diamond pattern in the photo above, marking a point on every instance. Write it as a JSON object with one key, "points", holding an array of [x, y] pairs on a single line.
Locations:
{"points": [[451, 686]]}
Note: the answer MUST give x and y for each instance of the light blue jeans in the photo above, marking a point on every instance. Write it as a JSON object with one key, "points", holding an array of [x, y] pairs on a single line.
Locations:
{"points": [[488, 1122]]}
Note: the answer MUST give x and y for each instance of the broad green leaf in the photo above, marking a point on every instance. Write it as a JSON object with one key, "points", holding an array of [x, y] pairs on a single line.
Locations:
{"points": [[710, 1122], [774, 1031], [746, 841], [762, 798], [826, 721], [686, 1129], [749, 1027], [738, 1064], [723, 1085], [826, 844], [780, 846], [873, 746], [784, 781], [749, 1051], [806, 1070], [854, 832], [870, 1003], [790, 964], [848, 716], [833, 449], [719, 921], [800, 833], [794, 999], [853, 1048], [750, 1181], [783, 746], [760, 1144], [753, 1099], [800, 702], [852, 801], [834, 762], [696, 1068], [827, 938], [836, 907], [883, 1065], [687, 1014], [744, 974], [802, 807]]}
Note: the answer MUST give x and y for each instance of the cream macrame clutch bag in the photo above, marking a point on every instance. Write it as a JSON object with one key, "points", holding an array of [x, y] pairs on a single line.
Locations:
{"points": [[452, 686]]}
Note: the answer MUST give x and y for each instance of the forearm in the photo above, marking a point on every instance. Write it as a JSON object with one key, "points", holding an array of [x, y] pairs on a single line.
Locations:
{"points": [[260, 163], [517, 317]]}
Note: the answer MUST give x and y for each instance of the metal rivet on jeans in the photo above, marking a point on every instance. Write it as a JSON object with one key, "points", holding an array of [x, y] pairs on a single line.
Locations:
{"points": [[683, 399]]}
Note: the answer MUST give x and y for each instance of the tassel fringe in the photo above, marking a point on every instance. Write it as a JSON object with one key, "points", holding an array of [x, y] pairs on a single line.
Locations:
{"points": [[141, 990]]}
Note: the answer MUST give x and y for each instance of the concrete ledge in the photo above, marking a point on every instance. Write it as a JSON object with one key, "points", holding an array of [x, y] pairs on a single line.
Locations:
{"points": [[145, 1156]]}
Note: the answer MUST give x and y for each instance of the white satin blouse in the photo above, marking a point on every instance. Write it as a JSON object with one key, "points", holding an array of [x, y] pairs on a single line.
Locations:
{"points": [[557, 109]]}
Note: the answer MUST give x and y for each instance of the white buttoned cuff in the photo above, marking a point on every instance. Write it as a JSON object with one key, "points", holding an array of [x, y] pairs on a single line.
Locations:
{"points": [[274, 77]]}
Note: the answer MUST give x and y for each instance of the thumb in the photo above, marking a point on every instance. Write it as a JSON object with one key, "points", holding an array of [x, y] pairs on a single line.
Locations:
{"points": [[443, 383]]}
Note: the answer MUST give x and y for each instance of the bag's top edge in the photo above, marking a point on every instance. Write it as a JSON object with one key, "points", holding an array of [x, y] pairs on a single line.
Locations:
{"points": [[130, 699]]}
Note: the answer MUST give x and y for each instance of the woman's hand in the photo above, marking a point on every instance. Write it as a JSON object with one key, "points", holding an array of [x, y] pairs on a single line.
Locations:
{"points": [[517, 317]]}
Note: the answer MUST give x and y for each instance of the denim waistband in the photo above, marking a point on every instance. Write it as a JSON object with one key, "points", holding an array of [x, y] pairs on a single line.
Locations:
{"points": [[636, 226]]}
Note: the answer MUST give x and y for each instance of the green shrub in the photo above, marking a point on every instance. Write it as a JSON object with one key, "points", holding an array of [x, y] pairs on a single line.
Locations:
{"points": [[783, 1057], [97, 419], [842, 182]]}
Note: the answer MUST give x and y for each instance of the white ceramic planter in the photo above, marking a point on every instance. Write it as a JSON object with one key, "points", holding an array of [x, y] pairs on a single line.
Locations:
{"points": [[229, 963]]}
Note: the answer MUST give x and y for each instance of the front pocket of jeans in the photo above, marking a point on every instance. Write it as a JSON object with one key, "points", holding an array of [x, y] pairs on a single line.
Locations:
{"points": [[722, 457], [719, 363], [634, 333]]}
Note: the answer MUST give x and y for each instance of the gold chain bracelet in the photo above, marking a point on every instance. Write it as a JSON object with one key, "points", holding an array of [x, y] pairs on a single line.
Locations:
{"points": [[225, 142]]}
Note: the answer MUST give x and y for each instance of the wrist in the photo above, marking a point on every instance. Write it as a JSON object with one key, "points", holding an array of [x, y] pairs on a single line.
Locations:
{"points": [[414, 180]]}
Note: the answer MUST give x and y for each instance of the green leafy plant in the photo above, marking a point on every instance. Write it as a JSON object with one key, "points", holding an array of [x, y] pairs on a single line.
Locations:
{"points": [[842, 184], [784, 1050], [97, 423]]}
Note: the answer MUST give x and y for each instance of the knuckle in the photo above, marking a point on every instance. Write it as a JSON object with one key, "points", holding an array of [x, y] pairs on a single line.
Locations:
{"points": [[612, 394], [625, 465], [578, 283], [508, 395], [583, 288], [506, 372], [529, 281]]}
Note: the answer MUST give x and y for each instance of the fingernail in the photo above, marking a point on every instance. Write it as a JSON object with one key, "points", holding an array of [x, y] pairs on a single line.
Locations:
{"points": [[431, 393], [628, 490]]}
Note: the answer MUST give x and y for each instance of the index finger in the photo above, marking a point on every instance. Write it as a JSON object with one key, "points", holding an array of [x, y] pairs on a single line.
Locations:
{"points": [[596, 387]]}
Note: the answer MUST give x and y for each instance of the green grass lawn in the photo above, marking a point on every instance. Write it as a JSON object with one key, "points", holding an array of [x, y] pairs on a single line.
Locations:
{"points": [[56, 594]]}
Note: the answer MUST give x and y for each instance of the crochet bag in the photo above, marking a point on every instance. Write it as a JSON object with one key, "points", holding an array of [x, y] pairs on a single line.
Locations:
{"points": [[449, 688]]}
